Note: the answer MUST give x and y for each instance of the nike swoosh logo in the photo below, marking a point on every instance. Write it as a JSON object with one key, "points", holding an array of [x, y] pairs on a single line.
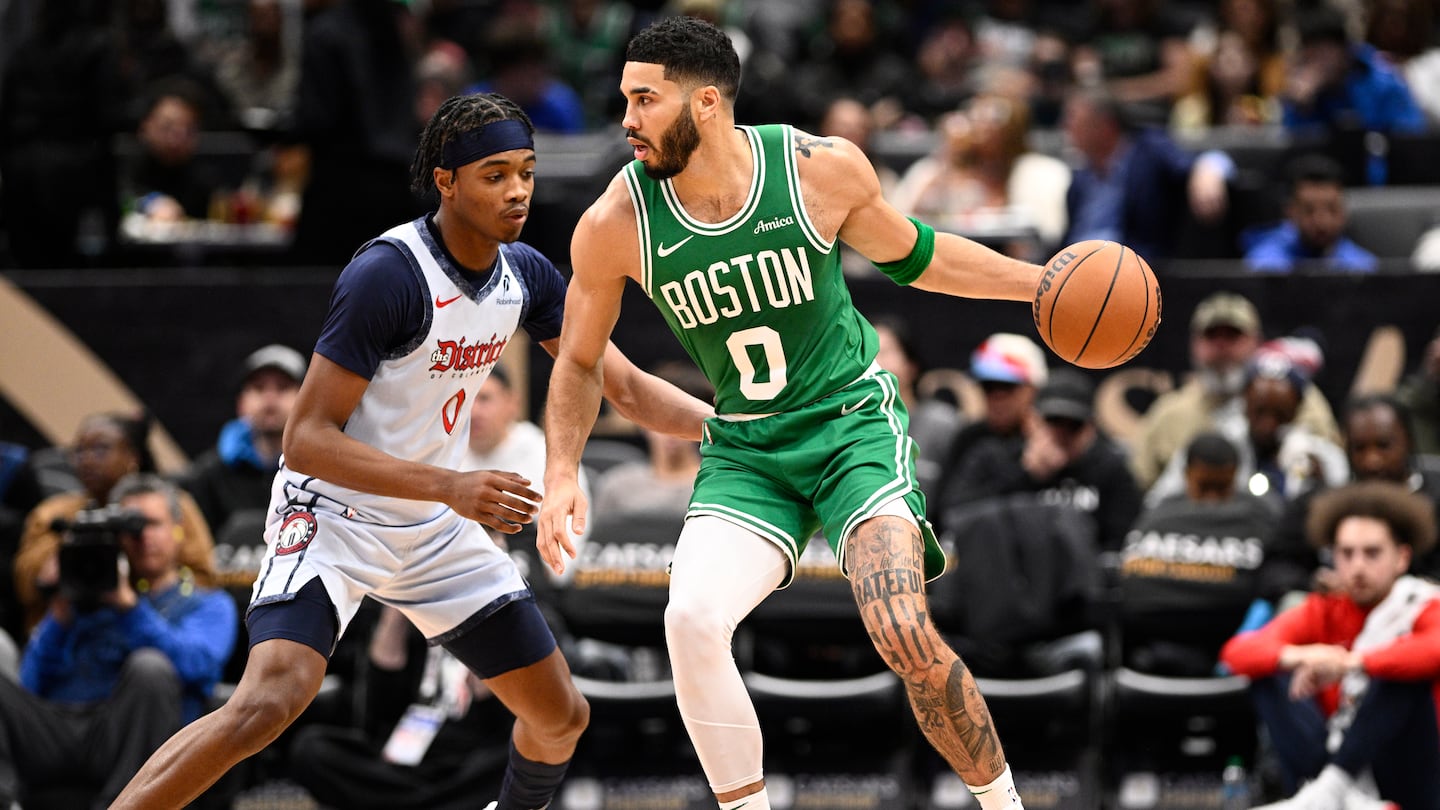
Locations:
{"points": [[846, 410], [447, 302], [664, 251]]}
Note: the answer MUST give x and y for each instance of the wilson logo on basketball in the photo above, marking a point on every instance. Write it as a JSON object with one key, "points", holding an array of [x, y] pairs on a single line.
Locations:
{"points": [[295, 533]]}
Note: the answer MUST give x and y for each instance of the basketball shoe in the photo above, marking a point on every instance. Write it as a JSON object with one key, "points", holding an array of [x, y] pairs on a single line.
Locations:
{"points": [[1333, 789]]}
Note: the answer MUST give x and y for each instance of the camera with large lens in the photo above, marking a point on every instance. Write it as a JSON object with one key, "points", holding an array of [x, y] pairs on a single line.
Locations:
{"points": [[90, 553]]}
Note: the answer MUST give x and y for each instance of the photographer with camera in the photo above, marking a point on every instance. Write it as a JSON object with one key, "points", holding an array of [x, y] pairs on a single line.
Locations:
{"points": [[127, 653], [108, 446]]}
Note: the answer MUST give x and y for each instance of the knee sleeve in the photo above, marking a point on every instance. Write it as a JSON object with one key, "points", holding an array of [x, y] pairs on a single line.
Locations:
{"points": [[720, 573]]}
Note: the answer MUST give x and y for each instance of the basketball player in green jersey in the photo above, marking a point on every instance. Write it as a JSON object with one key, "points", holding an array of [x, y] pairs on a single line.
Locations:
{"points": [[732, 233]]}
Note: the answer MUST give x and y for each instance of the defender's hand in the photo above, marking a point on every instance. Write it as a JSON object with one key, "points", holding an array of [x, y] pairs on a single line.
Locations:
{"points": [[503, 501], [562, 518]]}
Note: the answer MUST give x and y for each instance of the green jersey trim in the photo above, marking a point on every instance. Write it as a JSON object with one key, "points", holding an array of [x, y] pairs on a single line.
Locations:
{"points": [[752, 201], [901, 484], [797, 199], [766, 530], [642, 225]]}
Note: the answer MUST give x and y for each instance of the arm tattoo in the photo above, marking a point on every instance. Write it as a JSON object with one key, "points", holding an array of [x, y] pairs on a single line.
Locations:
{"points": [[804, 143]]}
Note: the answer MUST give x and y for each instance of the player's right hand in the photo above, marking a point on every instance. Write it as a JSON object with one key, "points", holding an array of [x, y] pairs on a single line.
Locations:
{"points": [[503, 501], [562, 518]]}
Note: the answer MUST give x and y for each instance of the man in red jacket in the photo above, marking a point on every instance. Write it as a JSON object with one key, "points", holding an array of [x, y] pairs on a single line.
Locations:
{"points": [[1346, 682]]}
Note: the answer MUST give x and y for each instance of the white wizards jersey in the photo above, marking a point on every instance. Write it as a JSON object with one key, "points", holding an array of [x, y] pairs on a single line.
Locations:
{"points": [[417, 406]]}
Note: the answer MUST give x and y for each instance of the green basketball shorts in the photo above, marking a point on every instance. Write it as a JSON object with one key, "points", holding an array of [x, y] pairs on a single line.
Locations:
{"points": [[826, 466]]}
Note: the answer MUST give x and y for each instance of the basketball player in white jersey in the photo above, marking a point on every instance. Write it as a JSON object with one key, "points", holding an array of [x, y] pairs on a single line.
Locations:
{"points": [[368, 500]]}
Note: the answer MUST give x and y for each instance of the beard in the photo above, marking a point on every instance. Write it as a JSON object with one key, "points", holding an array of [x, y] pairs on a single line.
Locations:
{"points": [[1222, 383], [677, 144]]}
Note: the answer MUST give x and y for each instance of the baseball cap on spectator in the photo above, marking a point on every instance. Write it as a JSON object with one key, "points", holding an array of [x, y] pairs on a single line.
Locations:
{"points": [[283, 359], [1066, 396], [1009, 358], [1226, 309]]}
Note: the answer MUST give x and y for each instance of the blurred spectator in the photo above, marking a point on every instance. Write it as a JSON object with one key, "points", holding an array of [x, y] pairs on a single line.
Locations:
{"points": [[108, 676], [1379, 446], [355, 116], [165, 181], [1404, 33], [663, 484], [943, 184], [1313, 235], [107, 448], [1279, 459], [442, 72], [152, 54], [1345, 683], [1225, 333], [1062, 457], [1190, 568], [235, 476], [852, 57], [64, 99], [1227, 91], [849, 119], [986, 176], [1052, 76], [587, 39], [1421, 394], [1130, 185], [520, 68], [1009, 369], [384, 763], [1336, 83], [933, 421], [948, 68], [1256, 26], [1140, 50], [501, 440], [1291, 459], [1005, 32], [260, 74]]}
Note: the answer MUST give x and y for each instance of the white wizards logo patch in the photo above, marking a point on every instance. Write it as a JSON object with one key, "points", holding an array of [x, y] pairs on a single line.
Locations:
{"points": [[295, 533]]}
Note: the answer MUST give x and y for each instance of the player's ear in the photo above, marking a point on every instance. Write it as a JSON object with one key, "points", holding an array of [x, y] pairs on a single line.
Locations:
{"points": [[444, 180], [705, 102]]}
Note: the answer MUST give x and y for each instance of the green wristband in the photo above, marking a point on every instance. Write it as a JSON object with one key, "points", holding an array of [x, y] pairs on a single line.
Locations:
{"points": [[906, 270]]}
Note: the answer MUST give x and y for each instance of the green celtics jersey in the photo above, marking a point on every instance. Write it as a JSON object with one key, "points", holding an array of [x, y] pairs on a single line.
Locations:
{"points": [[758, 300]]}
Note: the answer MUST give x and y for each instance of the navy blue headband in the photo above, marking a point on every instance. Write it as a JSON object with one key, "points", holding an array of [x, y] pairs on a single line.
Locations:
{"points": [[500, 136]]}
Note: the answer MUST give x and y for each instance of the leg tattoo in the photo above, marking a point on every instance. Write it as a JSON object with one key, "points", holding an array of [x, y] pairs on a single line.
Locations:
{"points": [[889, 588]]}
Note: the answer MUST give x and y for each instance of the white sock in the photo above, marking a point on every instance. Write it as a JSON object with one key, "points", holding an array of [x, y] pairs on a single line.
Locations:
{"points": [[755, 801], [998, 795]]}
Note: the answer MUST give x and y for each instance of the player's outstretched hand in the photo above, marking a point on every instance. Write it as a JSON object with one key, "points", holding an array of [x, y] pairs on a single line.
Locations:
{"points": [[562, 518], [503, 501]]}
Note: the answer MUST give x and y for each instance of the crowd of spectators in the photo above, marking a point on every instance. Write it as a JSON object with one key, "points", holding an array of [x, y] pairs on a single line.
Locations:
{"points": [[1029, 124], [297, 119]]}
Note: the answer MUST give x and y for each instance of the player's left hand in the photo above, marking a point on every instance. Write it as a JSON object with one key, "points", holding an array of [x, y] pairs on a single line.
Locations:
{"points": [[562, 519]]}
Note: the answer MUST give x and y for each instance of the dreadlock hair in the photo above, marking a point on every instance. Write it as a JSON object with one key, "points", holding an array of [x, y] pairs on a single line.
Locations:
{"points": [[690, 50], [457, 114]]}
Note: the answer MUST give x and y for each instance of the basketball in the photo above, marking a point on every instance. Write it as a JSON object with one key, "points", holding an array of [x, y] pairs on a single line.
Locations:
{"points": [[1097, 304]]}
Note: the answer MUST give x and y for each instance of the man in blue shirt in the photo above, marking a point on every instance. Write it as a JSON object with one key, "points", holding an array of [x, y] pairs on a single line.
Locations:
{"points": [[1334, 82], [1314, 230], [104, 684]]}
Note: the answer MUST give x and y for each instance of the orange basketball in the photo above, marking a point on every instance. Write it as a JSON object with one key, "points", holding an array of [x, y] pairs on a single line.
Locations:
{"points": [[1097, 304]]}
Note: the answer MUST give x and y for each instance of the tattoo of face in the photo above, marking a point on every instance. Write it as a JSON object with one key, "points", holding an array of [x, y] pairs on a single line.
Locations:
{"points": [[804, 143], [970, 719]]}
